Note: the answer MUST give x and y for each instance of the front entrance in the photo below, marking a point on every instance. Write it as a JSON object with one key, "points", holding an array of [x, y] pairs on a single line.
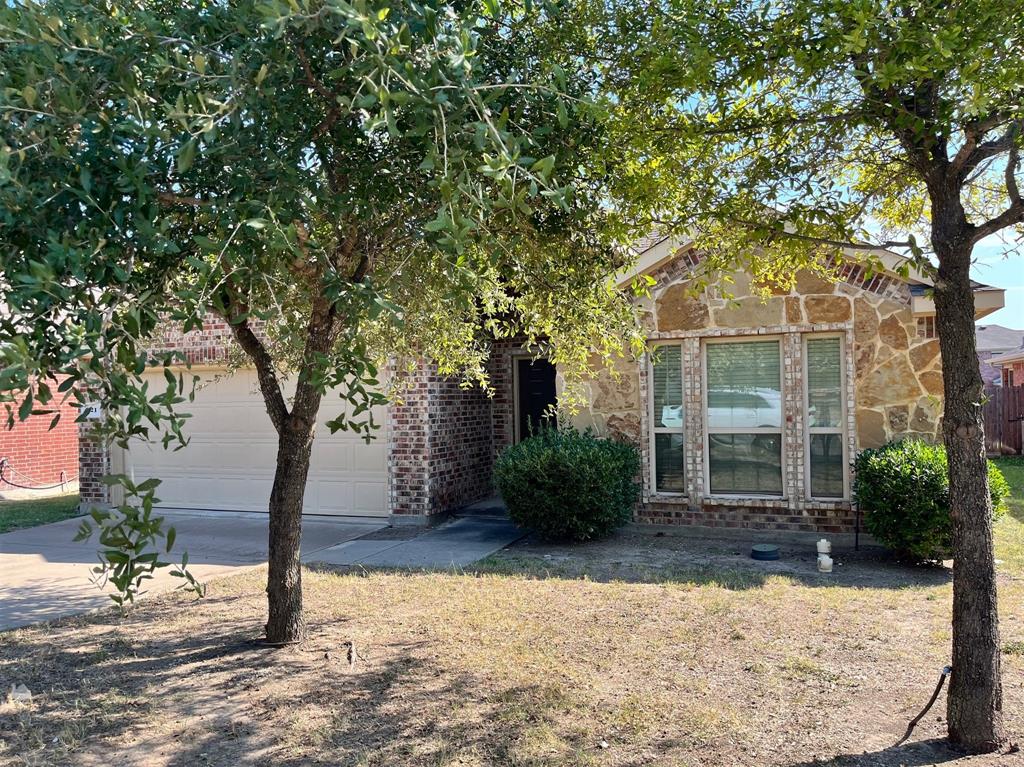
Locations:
{"points": [[535, 396]]}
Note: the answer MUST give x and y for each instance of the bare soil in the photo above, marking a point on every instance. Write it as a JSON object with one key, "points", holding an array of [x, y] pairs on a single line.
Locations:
{"points": [[637, 651]]}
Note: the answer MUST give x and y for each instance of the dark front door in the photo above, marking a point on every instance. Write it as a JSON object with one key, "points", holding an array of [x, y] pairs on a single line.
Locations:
{"points": [[535, 396]]}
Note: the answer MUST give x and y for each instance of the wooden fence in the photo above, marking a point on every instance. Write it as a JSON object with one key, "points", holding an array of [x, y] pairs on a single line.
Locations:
{"points": [[1004, 419]]}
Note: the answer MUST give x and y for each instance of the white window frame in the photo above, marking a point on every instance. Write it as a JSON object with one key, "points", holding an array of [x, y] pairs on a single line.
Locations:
{"points": [[780, 430], [654, 430], [841, 429]]}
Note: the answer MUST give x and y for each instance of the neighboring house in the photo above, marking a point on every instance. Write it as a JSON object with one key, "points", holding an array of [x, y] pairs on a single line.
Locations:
{"points": [[993, 341], [1010, 366], [747, 412], [34, 456]]}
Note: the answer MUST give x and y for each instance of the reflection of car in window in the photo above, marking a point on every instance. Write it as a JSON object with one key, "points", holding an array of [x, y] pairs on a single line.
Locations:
{"points": [[672, 416], [761, 447], [745, 408]]}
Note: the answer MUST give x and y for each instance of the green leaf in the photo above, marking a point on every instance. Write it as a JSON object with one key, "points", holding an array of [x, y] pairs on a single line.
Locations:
{"points": [[187, 155]]}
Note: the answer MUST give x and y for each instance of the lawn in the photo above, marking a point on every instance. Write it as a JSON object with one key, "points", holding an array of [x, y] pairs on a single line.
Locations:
{"points": [[40, 511], [1010, 529], [639, 651]]}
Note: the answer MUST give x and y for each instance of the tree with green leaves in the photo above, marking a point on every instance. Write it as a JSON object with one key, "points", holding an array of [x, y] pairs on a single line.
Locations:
{"points": [[348, 185], [782, 129]]}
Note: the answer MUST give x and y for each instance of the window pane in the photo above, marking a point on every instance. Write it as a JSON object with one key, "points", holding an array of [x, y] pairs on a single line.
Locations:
{"points": [[744, 385], [668, 463], [741, 464], [668, 386], [827, 465], [824, 382]]}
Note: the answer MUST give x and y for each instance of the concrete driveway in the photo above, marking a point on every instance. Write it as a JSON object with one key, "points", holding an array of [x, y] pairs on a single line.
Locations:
{"points": [[44, 574]]}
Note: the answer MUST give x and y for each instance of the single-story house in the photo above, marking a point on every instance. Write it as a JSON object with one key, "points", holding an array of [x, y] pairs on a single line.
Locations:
{"points": [[1010, 365], [747, 411], [993, 341]]}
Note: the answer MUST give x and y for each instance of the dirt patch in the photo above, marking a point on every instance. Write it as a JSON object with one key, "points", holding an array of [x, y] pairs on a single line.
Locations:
{"points": [[633, 652]]}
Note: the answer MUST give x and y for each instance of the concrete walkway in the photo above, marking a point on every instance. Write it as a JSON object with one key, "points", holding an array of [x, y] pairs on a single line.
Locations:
{"points": [[453, 544], [44, 574]]}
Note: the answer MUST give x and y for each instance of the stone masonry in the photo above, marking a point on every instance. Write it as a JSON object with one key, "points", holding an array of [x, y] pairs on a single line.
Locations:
{"points": [[893, 384]]}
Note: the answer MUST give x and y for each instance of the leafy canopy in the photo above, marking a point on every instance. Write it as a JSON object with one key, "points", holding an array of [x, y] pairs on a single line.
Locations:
{"points": [[412, 176], [798, 123]]}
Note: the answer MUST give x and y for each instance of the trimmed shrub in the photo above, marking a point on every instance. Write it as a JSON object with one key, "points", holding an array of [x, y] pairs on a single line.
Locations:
{"points": [[568, 485], [903, 489]]}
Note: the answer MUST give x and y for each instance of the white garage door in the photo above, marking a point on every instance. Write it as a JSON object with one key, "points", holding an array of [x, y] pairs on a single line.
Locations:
{"points": [[229, 461]]}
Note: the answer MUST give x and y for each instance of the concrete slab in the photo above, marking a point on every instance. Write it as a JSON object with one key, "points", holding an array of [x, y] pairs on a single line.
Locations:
{"points": [[44, 574], [454, 544]]}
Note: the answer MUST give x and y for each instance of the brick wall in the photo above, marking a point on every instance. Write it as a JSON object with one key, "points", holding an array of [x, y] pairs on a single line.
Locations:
{"points": [[1013, 374], [93, 464], [503, 352], [441, 450], [35, 451], [461, 457]]}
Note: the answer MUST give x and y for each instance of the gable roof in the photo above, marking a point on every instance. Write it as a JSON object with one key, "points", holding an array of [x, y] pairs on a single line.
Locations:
{"points": [[997, 338], [654, 251]]}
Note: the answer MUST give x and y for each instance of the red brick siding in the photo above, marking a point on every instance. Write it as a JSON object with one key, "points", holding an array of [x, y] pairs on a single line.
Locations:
{"points": [[820, 518], [500, 365], [1013, 375], [441, 453], [42, 454], [461, 457], [93, 464], [408, 441]]}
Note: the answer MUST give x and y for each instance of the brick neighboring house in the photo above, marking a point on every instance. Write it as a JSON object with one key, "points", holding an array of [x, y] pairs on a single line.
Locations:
{"points": [[748, 413], [36, 456], [992, 342], [1010, 366]]}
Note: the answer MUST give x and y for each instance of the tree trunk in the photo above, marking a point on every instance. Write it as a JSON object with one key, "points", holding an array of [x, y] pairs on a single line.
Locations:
{"points": [[975, 698], [285, 623]]}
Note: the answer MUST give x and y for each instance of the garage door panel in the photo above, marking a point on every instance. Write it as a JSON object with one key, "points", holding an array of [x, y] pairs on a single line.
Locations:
{"points": [[229, 461]]}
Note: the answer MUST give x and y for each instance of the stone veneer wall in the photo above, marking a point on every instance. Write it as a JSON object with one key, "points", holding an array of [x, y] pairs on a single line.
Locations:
{"points": [[893, 384]]}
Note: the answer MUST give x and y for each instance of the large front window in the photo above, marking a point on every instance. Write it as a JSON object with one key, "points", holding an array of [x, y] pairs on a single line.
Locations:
{"points": [[667, 417], [743, 385]]}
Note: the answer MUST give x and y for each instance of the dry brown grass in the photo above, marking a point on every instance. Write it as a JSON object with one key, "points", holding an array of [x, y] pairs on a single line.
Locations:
{"points": [[539, 659]]}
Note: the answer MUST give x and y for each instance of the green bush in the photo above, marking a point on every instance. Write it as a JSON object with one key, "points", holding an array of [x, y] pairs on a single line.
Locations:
{"points": [[568, 485], [903, 489]]}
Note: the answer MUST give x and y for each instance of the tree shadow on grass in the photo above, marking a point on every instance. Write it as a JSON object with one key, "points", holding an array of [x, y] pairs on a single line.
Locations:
{"points": [[934, 751], [107, 692]]}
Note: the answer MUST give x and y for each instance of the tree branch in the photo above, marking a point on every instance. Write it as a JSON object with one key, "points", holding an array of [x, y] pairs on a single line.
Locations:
{"points": [[333, 112], [845, 244], [967, 161], [251, 344], [1014, 214], [170, 198]]}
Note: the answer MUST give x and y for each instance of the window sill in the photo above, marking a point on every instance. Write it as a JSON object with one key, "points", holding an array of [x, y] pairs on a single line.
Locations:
{"points": [[754, 502]]}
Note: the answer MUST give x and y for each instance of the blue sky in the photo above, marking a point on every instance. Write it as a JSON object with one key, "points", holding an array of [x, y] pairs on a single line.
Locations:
{"points": [[994, 266]]}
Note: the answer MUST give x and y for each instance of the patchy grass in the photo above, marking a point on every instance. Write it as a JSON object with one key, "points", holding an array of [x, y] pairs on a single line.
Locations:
{"points": [[638, 651], [15, 515], [1010, 529]]}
